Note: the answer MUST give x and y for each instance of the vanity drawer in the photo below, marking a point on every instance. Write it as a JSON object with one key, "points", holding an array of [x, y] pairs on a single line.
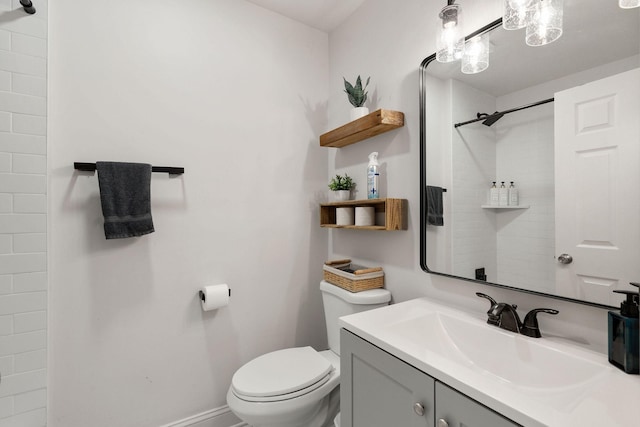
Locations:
{"points": [[458, 410]]}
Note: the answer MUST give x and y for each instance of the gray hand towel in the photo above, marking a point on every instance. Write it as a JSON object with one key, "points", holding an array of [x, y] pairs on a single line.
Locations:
{"points": [[434, 206], [125, 193]]}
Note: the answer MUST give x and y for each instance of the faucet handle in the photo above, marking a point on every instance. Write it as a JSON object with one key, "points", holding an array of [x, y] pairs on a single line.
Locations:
{"points": [[493, 319], [530, 326], [481, 295]]}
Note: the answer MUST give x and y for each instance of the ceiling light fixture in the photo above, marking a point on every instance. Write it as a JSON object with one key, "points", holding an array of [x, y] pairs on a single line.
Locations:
{"points": [[514, 14], [476, 54], [629, 4], [544, 22], [450, 40]]}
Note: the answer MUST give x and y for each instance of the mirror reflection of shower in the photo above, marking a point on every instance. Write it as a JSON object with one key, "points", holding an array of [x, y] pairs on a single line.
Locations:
{"points": [[512, 122]]}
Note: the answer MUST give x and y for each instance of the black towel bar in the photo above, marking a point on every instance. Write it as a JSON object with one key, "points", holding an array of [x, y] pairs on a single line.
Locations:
{"points": [[90, 167]]}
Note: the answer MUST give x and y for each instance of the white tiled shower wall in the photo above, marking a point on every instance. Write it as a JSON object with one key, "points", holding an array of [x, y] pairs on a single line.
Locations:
{"points": [[23, 215], [526, 238], [473, 168]]}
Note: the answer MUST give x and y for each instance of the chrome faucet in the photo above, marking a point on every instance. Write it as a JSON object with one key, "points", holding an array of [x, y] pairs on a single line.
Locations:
{"points": [[505, 316]]}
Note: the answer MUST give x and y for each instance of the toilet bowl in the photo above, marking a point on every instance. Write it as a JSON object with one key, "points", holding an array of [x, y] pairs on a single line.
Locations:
{"points": [[299, 387], [310, 404]]}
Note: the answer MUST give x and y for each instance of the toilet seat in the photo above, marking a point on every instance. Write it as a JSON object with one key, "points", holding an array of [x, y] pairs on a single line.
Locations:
{"points": [[281, 375]]}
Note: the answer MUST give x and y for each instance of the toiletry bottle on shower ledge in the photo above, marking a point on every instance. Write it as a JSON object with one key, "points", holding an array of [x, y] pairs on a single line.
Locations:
{"points": [[503, 195], [513, 195], [494, 198], [373, 192]]}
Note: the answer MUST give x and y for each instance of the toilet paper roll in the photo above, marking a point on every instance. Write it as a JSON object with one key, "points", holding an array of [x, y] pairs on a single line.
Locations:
{"points": [[365, 215], [344, 216], [214, 296]]}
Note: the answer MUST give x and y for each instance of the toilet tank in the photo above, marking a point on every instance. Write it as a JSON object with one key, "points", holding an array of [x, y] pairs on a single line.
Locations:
{"points": [[339, 302]]}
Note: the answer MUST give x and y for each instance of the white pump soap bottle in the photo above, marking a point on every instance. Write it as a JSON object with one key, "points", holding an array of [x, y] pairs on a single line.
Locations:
{"points": [[373, 192]]}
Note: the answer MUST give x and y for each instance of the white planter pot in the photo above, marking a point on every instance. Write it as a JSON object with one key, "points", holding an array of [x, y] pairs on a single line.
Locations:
{"points": [[358, 112], [341, 195]]}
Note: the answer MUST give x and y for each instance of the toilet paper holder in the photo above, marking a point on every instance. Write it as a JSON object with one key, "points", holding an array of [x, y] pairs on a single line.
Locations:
{"points": [[201, 294]]}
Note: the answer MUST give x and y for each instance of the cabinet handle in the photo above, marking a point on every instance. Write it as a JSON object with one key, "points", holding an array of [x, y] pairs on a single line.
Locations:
{"points": [[418, 408], [442, 423]]}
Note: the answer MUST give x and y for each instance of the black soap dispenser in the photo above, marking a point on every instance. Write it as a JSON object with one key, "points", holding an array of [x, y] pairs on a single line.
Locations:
{"points": [[624, 346]]}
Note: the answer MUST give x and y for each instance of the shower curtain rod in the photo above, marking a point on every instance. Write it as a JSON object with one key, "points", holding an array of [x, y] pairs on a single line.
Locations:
{"points": [[497, 115]]}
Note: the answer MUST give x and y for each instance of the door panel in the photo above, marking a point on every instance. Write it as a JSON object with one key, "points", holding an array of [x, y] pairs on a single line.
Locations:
{"points": [[597, 174]]}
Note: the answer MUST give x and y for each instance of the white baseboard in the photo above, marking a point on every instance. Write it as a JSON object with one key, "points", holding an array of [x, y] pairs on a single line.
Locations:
{"points": [[219, 417]]}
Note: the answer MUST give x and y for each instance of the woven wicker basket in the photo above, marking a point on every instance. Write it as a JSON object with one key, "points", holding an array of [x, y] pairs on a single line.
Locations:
{"points": [[361, 280]]}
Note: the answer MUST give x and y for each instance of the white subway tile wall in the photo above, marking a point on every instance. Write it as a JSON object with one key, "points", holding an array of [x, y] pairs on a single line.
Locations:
{"points": [[5, 121], [526, 239], [517, 148], [28, 163], [23, 220], [474, 167]]}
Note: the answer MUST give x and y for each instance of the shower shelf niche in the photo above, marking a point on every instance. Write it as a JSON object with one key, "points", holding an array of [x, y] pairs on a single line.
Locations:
{"points": [[505, 207]]}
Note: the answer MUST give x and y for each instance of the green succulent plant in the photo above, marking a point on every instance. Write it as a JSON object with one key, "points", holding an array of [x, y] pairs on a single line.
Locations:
{"points": [[356, 93], [341, 183]]}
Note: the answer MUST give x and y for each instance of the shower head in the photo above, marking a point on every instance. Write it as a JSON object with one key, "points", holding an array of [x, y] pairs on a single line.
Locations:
{"points": [[491, 118]]}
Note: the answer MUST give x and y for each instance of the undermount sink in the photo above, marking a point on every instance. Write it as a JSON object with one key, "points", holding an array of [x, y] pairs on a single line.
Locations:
{"points": [[519, 360]]}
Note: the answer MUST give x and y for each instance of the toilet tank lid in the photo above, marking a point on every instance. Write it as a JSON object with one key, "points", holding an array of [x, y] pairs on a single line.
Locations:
{"points": [[371, 296]]}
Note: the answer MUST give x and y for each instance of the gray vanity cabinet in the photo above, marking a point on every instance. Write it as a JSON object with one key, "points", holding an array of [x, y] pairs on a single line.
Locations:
{"points": [[380, 390]]}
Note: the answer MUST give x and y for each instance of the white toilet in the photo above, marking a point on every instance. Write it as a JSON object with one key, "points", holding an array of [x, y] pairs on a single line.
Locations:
{"points": [[299, 387]]}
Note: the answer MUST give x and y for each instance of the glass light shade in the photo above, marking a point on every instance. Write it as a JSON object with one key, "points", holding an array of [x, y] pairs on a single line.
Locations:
{"points": [[476, 55], [450, 40], [629, 4], [514, 14], [544, 22]]}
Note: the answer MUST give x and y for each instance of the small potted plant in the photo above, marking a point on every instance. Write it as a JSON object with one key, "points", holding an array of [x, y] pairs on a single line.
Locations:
{"points": [[341, 187], [357, 97]]}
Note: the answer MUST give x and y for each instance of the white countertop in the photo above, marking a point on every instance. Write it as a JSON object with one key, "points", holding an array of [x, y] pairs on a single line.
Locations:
{"points": [[605, 397]]}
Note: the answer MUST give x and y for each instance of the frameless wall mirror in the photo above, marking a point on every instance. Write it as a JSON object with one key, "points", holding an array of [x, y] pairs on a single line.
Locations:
{"points": [[562, 121]]}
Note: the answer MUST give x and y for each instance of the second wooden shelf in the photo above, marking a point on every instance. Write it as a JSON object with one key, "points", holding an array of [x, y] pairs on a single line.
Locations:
{"points": [[395, 214]]}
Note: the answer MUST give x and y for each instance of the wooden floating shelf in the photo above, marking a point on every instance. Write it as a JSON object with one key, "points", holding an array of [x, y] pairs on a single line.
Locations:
{"points": [[372, 124], [395, 214], [356, 227]]}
